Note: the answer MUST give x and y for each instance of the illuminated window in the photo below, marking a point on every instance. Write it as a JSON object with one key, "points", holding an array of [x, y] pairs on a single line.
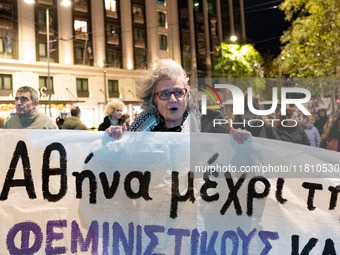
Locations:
{"points": [[163, 42], [82, 87], [80, 28], [111, 8], [161, 19], [162, 2]]}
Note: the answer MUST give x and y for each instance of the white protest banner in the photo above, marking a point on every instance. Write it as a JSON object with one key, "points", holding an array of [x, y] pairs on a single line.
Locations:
{"points": [[81, 192]]}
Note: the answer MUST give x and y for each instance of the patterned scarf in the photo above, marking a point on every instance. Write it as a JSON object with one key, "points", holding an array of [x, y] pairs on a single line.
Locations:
{"points": [[146, 122]]}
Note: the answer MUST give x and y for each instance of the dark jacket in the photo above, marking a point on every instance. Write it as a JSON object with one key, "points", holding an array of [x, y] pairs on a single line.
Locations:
{"points": [[107, 123], [293, 134], [320, 123]]}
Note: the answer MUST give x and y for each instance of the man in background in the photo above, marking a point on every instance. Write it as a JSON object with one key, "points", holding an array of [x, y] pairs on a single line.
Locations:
{"points": [[74, 121], [27, 115]]}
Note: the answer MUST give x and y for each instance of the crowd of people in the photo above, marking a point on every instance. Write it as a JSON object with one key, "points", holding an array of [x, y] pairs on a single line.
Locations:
{"points": [[169, 105]]}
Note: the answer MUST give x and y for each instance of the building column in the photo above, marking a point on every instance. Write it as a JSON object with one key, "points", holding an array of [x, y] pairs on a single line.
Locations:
{"points": [[98, 36], [243, 24], [173, 36], [231, 18], [127, 38], [207, 37], [152, 29], [65, 31], [26, 32], [219, 21], [192, 40]]}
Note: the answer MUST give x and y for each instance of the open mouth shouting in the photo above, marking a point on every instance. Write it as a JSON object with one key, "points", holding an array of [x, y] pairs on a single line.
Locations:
{"points": [[173, 109]]}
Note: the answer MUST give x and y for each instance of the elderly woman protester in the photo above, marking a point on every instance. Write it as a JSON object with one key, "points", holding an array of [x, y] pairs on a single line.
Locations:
{"points": [[114, 115], [168, 104]]}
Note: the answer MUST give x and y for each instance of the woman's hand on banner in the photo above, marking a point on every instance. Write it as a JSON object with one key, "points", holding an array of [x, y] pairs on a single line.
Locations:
{"points": [[116, 132]]}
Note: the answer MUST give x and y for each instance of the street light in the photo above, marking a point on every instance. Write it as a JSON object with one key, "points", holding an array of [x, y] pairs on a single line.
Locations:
{"points": [[65, 3], [233, 38]]}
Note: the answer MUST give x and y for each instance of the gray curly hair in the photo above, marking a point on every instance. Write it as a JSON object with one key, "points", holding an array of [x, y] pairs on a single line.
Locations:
{"points": [[113, 105], [158, 70]]}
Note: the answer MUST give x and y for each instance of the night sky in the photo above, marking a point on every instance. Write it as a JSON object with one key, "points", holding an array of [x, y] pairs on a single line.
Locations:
{"points": [[264, 25]]}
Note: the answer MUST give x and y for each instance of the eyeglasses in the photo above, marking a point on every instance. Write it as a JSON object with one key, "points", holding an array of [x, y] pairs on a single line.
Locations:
{"points": [[166, 94]]}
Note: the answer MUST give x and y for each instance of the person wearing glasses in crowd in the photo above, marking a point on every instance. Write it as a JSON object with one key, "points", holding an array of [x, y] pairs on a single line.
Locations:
{"points": [[27, 115], [169, 105]]}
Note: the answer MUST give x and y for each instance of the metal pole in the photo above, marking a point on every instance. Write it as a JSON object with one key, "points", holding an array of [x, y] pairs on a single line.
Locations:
{"points": [[105, 87], [48, 57]]}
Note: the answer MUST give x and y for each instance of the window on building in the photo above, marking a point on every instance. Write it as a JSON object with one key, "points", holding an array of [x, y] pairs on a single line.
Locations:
{"points": [[41, 21], [79, 53], [113, 88], [162, 2], [139, 38], [140, 58], [163, 42], [42, 50], [213, 26], [186, 42], [2, 45], [82, 43], [81, 56], [5, 84], [212, 7], [113, 57], [80, 28], [6, 15], [80, 5], [41, 29], [161, 19], [43, 85], [111, 9], [138, 14], [112, 34], [198, 6], [82, 87], [46, 2], [139, 34], [8, 30]]}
